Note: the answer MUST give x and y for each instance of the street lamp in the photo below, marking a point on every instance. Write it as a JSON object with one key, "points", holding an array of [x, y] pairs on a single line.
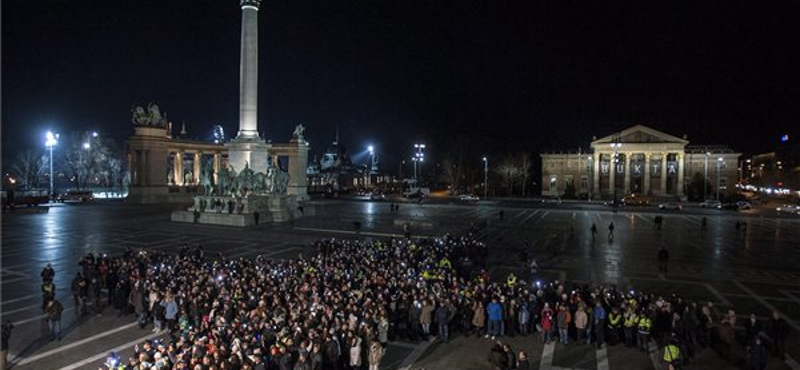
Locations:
{"points": [[420, 157], [705, 177], [51, 140], [719, 167], [485, 177]]}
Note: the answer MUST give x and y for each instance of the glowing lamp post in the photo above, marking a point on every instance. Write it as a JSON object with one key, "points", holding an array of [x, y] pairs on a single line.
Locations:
{"points": [[51, 140], [485, 177]]}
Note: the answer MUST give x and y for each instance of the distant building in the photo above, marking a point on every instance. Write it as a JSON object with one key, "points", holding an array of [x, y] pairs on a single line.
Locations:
{"points": [[333, 172], [776, 172], [638, 160]]}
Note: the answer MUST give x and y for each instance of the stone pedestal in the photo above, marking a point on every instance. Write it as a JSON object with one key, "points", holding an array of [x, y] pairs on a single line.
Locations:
{"points": [[296, 152], [242, 212]]}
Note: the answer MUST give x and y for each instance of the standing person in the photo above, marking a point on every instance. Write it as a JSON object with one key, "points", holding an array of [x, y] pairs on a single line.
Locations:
{"points": [[383, 331], [704, 225], [778, 329], [758, 356], [48, 273], [170, 311], [443, 316], [643, 331], [523, 363], [137, 299], [53, 315], [600, 323], [502, 215], [547, 323], [425, 318], [672, 354], [6, 337], [355, 353], [478, 317], [48, 291], [376, 352], [497, 357], [523, 316], [495, 313], [663, 259], [581, 321], [563, 320], [629, 327], [79, 294], [594, 230], [611, 230]]}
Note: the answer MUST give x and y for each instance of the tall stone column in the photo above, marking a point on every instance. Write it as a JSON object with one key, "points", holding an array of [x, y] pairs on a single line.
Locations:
{"points": [[197, 159], [612, 174], [663, 173], [177, 170], [595, 174], [646, 187], [248, 71], [217, 164], [627, 173], [679, 190]]}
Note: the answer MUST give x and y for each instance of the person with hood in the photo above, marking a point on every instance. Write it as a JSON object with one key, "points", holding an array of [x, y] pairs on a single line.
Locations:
{"points": [[376, 352], [497, 357]]}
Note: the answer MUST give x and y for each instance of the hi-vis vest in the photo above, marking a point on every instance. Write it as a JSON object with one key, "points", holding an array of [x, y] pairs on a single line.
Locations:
{"points": [[614, 320], [671, 353], [644, 324]]}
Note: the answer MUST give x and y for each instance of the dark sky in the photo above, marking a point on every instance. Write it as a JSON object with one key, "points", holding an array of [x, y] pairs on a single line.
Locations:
{"points": [[509, 75]]}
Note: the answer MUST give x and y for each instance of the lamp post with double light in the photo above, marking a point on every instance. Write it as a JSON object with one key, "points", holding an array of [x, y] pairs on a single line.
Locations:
{"points": [[485, 177]]}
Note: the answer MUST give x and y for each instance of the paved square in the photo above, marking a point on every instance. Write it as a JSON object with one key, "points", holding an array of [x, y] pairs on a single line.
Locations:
{"points": [[753, 271]]}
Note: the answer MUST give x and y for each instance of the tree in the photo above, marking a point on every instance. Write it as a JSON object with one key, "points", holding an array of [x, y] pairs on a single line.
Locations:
{"points": [[525, 171], [84, 157], [696, 187], [509, 170], [30, 167]]}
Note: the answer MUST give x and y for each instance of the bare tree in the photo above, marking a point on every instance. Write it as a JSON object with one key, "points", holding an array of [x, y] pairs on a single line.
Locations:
{"points": [[84, 157], [525, 171], [30, 166], [509, 171]]}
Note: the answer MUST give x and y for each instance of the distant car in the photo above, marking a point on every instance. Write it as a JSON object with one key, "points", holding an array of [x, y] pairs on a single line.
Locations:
{"points": [[711, 204], [729, 206], [76, 195], [551, 199], [635, 200], [743, 205], [791, 209], [376, 195], [670, 206], [468, 198]]}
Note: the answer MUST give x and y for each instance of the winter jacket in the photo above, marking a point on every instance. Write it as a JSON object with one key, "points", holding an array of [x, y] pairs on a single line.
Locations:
{"points": [[425, 316], [495, 311], [581, 320]]}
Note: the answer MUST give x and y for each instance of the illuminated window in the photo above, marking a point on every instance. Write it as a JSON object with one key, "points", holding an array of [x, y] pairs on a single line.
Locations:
{"points": [[553, 182]]}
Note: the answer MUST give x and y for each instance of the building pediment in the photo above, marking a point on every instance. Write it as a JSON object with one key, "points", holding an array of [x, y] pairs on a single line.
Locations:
{"points": [[640, 134]]}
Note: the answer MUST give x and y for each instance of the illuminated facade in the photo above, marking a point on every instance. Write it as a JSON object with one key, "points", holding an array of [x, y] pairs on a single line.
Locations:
{"points": [[637, 160]]}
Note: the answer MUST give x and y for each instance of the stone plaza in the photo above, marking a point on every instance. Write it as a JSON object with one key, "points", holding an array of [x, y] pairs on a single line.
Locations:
{"points": [[752, 271]]}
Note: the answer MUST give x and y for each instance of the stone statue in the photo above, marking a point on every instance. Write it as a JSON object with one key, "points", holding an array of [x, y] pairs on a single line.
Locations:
{"points": [[205, 181], [281, 181], [156, 119], [140, 117], [258, 184], [298, 132], [245, 180], [222, 177], [170, 178], [269, 180]]}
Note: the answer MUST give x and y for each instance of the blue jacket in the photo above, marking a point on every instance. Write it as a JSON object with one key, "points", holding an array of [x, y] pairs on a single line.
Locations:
{"points": [[171, 310], [495, 311], [599, 313]]}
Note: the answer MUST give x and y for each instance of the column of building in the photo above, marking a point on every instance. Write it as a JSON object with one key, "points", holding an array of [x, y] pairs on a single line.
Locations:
{"points": [[198, 156], [177, 168], [679, 190], [596, 172], [627, 173], [663, 190], [646, 187]]}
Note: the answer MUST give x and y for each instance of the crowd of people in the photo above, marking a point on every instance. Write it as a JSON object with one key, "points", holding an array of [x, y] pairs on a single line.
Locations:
{"points": [[339, 308]]}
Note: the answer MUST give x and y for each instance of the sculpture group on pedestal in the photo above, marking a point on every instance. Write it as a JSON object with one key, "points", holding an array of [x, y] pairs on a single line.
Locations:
{"points": [[151, 117], [248, 182]]}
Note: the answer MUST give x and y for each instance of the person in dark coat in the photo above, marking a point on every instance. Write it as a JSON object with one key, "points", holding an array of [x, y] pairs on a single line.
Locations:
{"points": [[778, 329], [497, 357], [523, 363], [758, 356]]}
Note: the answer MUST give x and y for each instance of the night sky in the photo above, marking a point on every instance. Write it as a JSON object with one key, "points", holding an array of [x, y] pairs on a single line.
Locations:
{"points": [[505, 76]]}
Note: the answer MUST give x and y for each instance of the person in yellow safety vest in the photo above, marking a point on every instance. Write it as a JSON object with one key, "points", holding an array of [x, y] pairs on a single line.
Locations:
{"points": [[445, 263], [614, 324], [511, 281], [427, 275], [672, 355], [643, 334], [629, 324]]}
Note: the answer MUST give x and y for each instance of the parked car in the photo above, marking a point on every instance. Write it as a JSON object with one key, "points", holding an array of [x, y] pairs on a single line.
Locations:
{"points": [[742, 204], [468, 198], [76, 195], [670, 206], [377, 195], [791, 209], [636, 200], [711, 204]]}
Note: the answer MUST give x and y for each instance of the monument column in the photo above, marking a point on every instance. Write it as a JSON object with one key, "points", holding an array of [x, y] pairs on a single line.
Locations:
{"points": [[248, 149], [679, 190], [627, 173], [663, 173], [216, 165], [646, 187], [248, 71], [197, 158], [596, 174]]}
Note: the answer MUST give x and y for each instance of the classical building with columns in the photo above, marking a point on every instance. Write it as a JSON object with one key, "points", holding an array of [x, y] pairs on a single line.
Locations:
{"points": [[638, 160]]}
